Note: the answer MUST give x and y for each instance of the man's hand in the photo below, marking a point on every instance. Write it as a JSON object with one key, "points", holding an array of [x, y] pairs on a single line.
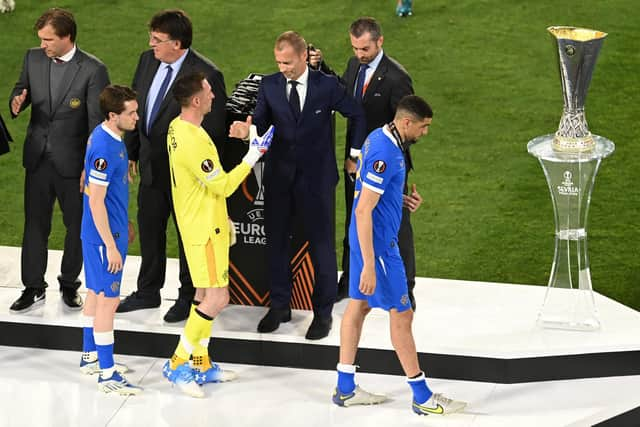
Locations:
{"points": [[115, 260], [413, 200], [262, 143], [315, 58], [258, 146], [350, 166], [131, 233], [240, 129], [133, 170], [17, 101], [368, 280]]}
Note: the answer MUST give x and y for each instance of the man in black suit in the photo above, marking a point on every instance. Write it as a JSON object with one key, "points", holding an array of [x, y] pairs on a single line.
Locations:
{"points": [[300, 173], [62, 84], [171, 56], [378, 82]]}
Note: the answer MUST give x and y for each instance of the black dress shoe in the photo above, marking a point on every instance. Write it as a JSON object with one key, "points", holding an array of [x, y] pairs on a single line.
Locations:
{"points": [[30, 299], [273, 318], [319, 328], [135, 302], [179, 311], [71, 299]]}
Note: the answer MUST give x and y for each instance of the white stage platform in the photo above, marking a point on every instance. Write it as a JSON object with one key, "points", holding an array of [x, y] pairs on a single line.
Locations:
{"points": [[476, 340], [463, 330]]}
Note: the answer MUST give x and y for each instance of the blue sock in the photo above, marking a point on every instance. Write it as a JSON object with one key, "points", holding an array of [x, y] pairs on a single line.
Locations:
{"points": [[346, 378], [104, 345], [421, 392], [88, 343]]}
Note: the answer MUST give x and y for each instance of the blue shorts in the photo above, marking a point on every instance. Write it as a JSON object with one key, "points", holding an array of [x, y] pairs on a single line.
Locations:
{"points": [[95, 268], [391, 280]]}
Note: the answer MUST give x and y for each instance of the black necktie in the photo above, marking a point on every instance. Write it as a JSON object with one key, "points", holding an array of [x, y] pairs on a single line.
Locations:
{"points": [[294, 99], [362, 76], [159, 97]]}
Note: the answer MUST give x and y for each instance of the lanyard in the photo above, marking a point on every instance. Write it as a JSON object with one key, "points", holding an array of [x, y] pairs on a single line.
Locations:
{"points": [[397, 137]]}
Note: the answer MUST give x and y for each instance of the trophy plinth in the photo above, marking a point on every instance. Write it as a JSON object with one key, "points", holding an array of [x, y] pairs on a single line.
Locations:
{"points": [[570, 159], [578, 50]]}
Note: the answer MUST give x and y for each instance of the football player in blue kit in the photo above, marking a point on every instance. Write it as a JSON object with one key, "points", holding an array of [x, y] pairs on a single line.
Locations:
{"points": [[377, 278], [105, 235]]}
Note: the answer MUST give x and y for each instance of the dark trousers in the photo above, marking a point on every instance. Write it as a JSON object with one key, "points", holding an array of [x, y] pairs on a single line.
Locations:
{"points": [[42, 187], [154, 208], [316, 210], [405, 239]]}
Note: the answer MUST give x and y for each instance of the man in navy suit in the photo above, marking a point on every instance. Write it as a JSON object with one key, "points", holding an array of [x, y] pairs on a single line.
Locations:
{"points": [[171, 56], [301, 173]]}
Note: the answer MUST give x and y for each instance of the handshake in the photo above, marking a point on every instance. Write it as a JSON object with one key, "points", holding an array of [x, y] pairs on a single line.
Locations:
{"points": [[258, 145]]}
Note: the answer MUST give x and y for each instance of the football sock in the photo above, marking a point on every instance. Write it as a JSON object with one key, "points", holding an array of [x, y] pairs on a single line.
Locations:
{"points": [[346, 378], [104, 346], [88, 343], [421, 392]]}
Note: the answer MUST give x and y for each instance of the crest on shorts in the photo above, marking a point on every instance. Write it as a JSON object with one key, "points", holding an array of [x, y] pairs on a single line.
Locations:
{"points": [[100, 164], [379, 166], [404, 300], [115, 286], [225, 275], [207, 165]]}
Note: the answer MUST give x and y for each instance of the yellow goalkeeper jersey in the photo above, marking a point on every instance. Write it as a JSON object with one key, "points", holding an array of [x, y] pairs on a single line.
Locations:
{"points": [[199, 185]]}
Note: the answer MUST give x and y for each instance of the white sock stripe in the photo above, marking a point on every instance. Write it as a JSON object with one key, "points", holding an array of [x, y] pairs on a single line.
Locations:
{"points": [[87, 321], [347, 369], [103, 338], [416, 379], [185, 343]]}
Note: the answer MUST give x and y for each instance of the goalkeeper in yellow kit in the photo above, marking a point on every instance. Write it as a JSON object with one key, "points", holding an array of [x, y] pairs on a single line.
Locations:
{"points": [[199, 188]]}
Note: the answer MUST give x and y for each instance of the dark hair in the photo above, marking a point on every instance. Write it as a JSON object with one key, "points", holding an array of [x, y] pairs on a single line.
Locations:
{"points": [[174, 22], [293, 39], [187, 86], [364, 25], [414, 106], [61, 20], [113, 97]]}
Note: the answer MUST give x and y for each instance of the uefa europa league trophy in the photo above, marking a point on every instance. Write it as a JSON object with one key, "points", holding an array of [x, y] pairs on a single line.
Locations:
{"points": [[570, 159]]}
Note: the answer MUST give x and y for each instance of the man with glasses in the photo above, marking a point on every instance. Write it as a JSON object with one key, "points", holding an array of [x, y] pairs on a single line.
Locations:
{"points": [[170, 56]]}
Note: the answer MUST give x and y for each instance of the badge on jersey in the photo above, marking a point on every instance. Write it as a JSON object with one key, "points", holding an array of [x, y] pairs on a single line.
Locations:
{"points": [[207, 165], [379, 166], [100, 164]]}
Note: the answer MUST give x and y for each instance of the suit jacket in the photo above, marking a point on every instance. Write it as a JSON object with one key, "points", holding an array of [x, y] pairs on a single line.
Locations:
{"points": [[151, 150], [305, 145], [5, 137], [65, 126], [388, 85]]}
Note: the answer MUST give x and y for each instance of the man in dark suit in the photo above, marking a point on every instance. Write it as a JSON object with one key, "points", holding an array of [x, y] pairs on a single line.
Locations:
{"points": [[300, 173], [62, 84], [378, 82], [171, 56]]}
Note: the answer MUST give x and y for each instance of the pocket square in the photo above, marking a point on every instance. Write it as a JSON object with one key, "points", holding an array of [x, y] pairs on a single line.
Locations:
{"points": [[318, 111], [377, 94]]}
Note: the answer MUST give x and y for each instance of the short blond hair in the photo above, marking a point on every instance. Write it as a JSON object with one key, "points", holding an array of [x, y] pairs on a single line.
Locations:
{"points": [[292, 39]]}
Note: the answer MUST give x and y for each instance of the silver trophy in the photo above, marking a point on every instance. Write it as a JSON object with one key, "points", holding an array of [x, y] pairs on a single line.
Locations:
{"points": [[570, 159], [578, 50], [258, 170]]}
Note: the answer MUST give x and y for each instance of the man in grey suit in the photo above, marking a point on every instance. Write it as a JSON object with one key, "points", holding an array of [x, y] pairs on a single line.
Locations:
{"points": [[170, 56], [62, 84]]}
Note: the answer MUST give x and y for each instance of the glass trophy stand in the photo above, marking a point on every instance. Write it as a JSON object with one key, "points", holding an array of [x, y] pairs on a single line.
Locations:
{"points": [[569, 301]]}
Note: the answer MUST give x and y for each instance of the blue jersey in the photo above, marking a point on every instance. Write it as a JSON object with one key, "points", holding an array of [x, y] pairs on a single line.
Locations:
{"points": [[106, 163], [381, 169]]}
